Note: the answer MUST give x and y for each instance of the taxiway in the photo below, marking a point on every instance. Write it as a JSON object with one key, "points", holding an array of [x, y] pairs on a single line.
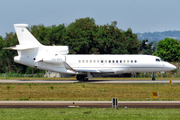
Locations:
{"points": [[81, 104], [90, 81]]}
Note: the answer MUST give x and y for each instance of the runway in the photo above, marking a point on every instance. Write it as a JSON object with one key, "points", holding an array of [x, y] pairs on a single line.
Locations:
{"points": [[90, 81], [82, 104]]}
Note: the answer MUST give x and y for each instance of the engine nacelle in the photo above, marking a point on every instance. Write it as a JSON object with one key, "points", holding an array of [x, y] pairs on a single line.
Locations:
{"points": [[63, 50], [54, 60]]}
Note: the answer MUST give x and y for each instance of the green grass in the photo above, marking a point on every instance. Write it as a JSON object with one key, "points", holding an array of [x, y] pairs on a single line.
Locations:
{"points": [[89, 113], [84, 92]]}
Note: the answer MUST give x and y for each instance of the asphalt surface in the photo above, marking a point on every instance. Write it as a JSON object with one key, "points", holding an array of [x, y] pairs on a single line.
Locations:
{"points": [[82, 104], [89, 81]]}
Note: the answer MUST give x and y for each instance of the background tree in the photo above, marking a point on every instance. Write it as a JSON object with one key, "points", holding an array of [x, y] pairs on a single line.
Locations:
{"points": [[85, 37], [168, 49], [80, 36], [57, 35], [41, 33], [147, 48], [7, 56]]}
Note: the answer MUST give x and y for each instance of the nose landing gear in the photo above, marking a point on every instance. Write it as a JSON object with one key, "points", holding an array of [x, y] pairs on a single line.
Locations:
{"points": [[153, 76]]}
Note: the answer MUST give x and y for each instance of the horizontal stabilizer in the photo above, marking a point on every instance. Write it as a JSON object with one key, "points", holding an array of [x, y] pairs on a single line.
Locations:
{"points": [[20, 47]]}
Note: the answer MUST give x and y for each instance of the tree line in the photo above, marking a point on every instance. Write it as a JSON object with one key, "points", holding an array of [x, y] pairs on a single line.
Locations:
{"points": [[82, 36]]}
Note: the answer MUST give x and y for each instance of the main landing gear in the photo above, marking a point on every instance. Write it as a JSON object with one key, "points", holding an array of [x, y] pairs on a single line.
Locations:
{"points": [[82, 77], [153, 76]]}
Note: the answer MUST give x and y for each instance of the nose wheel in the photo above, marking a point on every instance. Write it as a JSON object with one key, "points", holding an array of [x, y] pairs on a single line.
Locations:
{"points": [[153, 76]]}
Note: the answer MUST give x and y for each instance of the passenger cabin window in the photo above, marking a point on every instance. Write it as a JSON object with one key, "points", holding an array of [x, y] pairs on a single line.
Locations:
{"points": [[114, 61], [157, 60]]}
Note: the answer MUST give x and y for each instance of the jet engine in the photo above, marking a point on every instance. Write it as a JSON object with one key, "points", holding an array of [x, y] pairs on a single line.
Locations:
{"points": [[54, 59]]}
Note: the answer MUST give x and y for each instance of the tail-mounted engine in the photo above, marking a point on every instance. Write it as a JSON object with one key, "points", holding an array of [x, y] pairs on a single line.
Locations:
{"points": [[60, 50], [54, 59]]}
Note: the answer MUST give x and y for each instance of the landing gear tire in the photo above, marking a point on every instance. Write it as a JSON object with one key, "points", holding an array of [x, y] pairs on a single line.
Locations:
{"points": [[81, 78], [153, 78], [85, 78]]}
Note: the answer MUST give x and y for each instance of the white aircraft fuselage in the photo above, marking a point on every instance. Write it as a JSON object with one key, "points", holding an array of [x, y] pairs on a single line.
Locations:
{"points": [[57, 59]]}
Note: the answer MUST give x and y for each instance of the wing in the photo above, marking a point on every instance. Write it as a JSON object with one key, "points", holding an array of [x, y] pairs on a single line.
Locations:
{"points": [[92, 70]]}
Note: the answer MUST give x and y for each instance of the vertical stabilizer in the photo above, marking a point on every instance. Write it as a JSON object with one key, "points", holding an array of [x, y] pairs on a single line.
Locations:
{"points": [[24, 36]]}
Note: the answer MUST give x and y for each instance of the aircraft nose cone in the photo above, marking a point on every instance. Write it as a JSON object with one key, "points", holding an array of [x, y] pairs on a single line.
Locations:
{"points": [[169, 66], [174, 67]]}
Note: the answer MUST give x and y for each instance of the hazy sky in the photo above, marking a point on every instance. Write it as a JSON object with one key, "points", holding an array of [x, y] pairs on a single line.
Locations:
{"points": [[139, 15]]}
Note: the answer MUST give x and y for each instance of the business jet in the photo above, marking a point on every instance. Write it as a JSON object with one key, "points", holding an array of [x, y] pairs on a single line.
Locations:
{"points": [[56, 59]]}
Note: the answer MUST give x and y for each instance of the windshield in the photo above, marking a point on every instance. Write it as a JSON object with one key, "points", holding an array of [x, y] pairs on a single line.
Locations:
{"points": [[157, 60]]}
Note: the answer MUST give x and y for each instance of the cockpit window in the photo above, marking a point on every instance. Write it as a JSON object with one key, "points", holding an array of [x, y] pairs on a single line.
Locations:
{"points": [[157, 60], [161, 60]]}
